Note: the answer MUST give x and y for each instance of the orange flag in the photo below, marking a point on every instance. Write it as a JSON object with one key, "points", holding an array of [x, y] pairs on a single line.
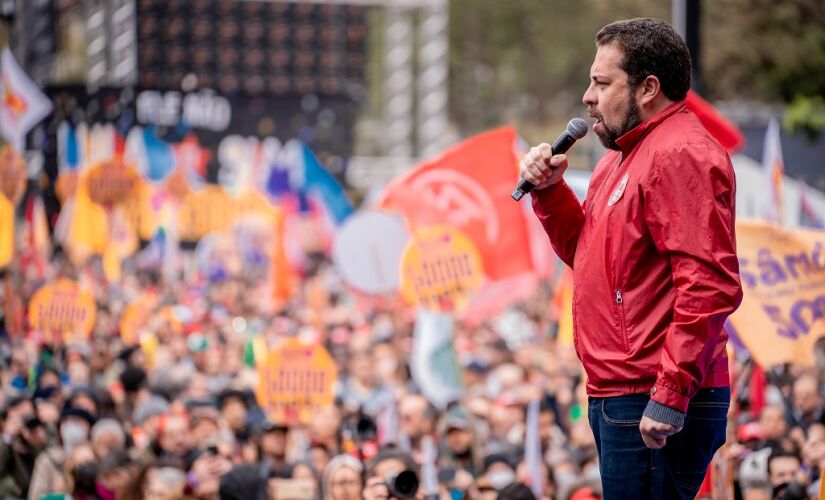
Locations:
{"points": [[468, 188], [282, 273]]}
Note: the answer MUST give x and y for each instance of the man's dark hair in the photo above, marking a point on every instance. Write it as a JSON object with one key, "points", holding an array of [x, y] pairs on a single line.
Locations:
{"points": [[651, 47], [391, 453], [781, 453], [516, 491]]}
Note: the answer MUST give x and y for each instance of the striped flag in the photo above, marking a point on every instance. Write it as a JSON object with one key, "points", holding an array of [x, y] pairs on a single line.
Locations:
{"points": [[532, 449], [773, 169], [809, 216]]}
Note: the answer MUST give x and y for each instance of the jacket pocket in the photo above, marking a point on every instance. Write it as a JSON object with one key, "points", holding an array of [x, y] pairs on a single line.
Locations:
{"points": [[622, 320]]}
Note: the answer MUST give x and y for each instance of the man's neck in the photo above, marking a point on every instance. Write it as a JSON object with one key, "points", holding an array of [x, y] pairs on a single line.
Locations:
{"points": [[654, 107]]}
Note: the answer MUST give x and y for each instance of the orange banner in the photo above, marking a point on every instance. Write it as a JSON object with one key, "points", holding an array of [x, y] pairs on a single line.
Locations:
{"points": [[63, 307], [783, 278], [294, 380], [469, 188]]}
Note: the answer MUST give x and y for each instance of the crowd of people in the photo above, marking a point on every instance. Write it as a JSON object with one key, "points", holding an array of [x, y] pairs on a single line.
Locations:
{"points": [[172, 413]]}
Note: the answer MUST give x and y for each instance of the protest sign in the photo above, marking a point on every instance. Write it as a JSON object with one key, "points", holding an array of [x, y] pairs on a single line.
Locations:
{"points": [[63, 307], [294, 379], [440, 268]]}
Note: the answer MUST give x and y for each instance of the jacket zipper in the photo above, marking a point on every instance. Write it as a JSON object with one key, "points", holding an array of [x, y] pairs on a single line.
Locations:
{"points": [[622, 325]]}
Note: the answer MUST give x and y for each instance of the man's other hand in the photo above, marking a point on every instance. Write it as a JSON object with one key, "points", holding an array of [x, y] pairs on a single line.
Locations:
{"points": [[654, 433]]}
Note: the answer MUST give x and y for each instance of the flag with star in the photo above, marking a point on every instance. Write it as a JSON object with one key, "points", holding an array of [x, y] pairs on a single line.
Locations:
{"points": [[22, 104]]}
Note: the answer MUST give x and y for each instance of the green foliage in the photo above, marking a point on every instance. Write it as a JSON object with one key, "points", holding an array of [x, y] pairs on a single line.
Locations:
{"points": [[527, 61], [806, 114]]}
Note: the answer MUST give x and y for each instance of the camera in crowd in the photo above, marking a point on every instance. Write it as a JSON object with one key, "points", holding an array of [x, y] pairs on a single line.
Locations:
{"points": [[402, 485], [790, 491]]}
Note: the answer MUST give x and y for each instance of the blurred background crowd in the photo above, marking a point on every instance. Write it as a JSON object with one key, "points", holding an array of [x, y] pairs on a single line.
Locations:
{"points": [[207, 292]]}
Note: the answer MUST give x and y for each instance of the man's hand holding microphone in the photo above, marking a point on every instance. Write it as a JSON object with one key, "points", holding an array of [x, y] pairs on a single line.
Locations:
{"points": [[544, 165], [541, 167]]}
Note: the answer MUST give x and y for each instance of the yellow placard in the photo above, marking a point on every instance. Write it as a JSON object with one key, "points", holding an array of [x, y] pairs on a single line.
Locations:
{"points": [[63, 307], [294, 380], [6, 231], [212, 209], [783, 280], [440, 269]]}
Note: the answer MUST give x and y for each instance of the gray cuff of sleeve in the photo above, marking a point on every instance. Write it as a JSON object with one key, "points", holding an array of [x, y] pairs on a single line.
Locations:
{"points": [[664, 414]]}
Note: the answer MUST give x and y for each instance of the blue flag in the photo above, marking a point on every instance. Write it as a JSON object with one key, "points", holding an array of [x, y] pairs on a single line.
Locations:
{"points": [[319, 182]]}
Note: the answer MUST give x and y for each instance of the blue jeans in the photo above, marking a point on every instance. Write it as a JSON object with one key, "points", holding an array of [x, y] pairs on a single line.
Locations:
{"points": [[630, 470]]}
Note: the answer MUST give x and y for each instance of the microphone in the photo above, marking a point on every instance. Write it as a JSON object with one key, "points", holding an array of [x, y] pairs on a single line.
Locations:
{"points": [[576, 129]]}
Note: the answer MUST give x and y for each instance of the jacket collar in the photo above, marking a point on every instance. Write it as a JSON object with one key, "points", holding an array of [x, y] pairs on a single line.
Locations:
{"points": [[629, 140]]}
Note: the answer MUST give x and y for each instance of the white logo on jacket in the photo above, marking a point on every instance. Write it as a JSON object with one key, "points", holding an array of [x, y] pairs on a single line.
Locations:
{"points": [[618, 192]]}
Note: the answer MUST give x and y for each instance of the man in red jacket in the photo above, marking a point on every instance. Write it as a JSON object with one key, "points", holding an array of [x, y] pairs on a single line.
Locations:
{"points": [[653, 254]]}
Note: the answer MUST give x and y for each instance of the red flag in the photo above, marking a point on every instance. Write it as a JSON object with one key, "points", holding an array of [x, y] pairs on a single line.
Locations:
{"points": [[722, 129], [756, 389], [469, 188]]}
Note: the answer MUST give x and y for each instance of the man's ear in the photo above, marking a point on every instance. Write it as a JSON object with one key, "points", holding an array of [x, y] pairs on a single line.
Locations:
{"points": [[649, 90]]}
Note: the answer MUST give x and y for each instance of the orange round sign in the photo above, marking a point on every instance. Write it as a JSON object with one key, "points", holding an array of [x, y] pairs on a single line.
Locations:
{"points": [[111, 182], [440, 268], [294, 380], [63, 307]]}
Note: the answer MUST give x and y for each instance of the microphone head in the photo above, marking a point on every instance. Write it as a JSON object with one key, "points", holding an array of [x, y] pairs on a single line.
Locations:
{"points": [[577, 128]]}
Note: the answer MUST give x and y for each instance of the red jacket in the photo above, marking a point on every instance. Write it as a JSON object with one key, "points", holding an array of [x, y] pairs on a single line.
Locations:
{"points": [[653, 253]]}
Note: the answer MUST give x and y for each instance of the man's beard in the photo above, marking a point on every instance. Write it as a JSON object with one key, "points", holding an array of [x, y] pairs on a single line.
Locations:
{"points": [[632, 118]]}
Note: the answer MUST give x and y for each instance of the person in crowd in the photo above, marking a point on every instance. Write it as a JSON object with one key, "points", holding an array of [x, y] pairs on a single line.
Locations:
{"points": [[274, 438], [27, 439], [107, 435], [807, 401], [234, 409], [387, 463], [460, 447], [343, 478], [772, 423], [416, 419], [784, 467]]}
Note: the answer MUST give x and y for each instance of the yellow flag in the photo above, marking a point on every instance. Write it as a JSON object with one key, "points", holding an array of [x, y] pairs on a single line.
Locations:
{"points": [[87, 234], [6, 231]]}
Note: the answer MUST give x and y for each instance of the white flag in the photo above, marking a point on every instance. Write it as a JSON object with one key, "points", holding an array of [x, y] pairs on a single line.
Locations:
{"points": [[773, 168], [433, 365], [22, 104], [532, 449]]}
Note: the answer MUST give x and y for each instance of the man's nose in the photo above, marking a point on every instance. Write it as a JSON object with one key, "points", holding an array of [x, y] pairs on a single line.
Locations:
{"points": [[589, 97]]}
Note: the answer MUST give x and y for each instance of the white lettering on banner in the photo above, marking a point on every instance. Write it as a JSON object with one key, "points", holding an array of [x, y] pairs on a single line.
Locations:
{"points": [[249, 160], [202, 109], [460, 198], [206, 110]]}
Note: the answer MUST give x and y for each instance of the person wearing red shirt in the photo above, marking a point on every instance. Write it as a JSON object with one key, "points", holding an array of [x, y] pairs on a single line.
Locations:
{"points": [[653, 254]]}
